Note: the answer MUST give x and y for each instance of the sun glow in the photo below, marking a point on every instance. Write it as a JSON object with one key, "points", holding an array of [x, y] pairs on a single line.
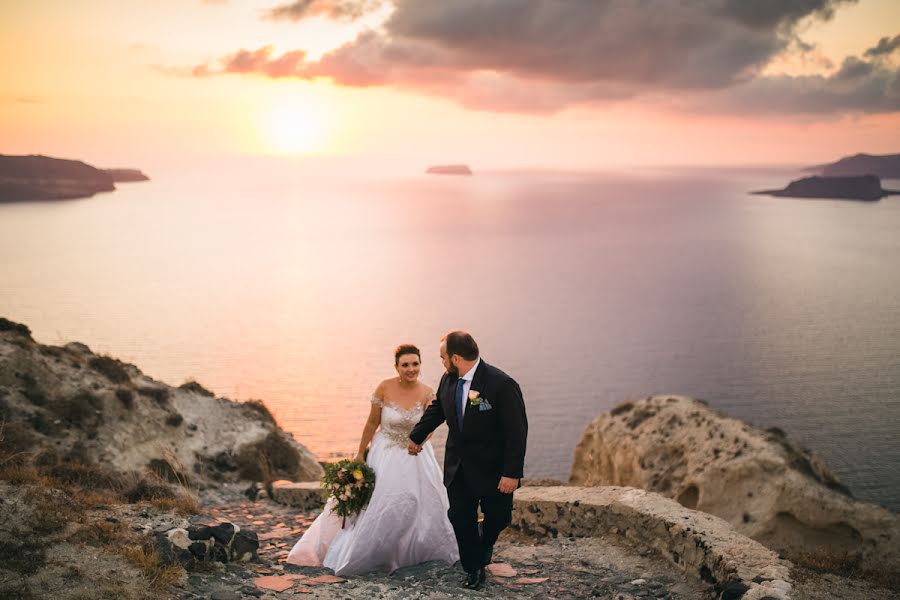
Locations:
{"points": [[296, 128]]}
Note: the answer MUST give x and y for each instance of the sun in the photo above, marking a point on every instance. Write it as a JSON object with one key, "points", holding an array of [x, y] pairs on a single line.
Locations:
{"points": [[296, 128]]}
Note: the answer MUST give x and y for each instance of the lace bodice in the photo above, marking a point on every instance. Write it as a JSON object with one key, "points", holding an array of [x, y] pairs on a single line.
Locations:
{"points": [[397, 422]]}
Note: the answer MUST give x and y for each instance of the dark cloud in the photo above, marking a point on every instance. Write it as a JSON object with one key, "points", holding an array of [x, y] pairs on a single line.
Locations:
{"points": [[769, 14], [344, 10], [545, 55], [857, 87], [885, 46]]}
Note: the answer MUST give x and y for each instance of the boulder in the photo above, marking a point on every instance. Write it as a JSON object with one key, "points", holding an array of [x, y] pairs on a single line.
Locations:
{"points": [[767, 487]]}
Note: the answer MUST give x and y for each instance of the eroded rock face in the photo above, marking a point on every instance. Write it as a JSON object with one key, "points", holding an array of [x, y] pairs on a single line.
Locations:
{"points": [[768, 488], [96, 408]]}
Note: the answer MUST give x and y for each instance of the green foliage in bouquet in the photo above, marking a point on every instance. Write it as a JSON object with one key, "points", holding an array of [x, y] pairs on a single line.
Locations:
{"points": [[350, 484]]}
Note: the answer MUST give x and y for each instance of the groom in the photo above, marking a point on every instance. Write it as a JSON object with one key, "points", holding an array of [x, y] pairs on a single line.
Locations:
{"points": [[485, 452]]}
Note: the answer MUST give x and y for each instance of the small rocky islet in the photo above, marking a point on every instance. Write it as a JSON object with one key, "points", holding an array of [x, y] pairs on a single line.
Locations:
{"points": [[115, 485]]}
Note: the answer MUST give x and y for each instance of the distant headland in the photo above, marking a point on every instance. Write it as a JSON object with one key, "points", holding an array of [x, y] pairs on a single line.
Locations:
{"points": [[449, 170], [857, 187], [36, 177], [886, 166]]}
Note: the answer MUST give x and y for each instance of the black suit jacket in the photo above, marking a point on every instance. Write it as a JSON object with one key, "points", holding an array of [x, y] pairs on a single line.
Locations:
{"points": [[492, 442]]}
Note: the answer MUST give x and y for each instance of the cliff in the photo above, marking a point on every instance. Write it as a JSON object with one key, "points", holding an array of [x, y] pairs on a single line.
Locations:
{"points": [[886, 166], [858, 187], [768, 488], [24, 178], [76, 403]]}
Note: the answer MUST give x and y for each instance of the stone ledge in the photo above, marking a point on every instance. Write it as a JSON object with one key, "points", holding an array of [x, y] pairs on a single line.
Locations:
{"points": [[308, 496], [699, 543]]}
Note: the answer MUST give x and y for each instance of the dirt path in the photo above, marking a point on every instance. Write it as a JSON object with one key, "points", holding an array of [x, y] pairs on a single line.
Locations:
{"points": [[561, 568]]}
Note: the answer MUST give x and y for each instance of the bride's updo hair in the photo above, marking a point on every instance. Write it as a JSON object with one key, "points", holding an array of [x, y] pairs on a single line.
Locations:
{"points": [[405, 349]]}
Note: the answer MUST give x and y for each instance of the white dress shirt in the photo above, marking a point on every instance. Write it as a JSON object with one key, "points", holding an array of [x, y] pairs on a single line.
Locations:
{"points": [[468, 384]]}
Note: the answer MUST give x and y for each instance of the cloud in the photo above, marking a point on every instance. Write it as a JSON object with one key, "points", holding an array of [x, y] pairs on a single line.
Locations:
{"points": [[261, 61], [857, 86], [546, 55], [885, 46], [341, 10]]}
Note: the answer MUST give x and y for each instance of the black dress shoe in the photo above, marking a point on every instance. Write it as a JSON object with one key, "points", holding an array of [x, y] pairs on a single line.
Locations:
{"points": [[474, 581]]}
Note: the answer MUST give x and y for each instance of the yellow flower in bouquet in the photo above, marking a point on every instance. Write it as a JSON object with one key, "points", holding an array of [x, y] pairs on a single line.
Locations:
{"points": [[350, 484]]}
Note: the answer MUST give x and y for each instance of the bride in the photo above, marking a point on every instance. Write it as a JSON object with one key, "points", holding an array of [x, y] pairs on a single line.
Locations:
{"points": [[406, 520]]}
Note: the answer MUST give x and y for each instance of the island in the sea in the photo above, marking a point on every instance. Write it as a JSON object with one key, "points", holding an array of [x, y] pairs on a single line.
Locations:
{"points": [[126, 175], [886, 166], [449, 170], [36, 177], [857, 187]]}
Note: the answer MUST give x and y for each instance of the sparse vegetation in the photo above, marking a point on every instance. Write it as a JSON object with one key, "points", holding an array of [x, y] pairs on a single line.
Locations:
{"points": [[159, 394], [261, 409], [174, 420], [193, 386], [7, 325], [622, 408], [147, 561], [81, 410], [126, 397], [111, 368]]}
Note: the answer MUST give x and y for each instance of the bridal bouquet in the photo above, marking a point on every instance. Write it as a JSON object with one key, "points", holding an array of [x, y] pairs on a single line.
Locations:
{"points": [[351, 485]]}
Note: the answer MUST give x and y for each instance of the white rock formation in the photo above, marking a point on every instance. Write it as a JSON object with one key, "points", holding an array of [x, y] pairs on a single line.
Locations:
{"points": [[768, 488]]}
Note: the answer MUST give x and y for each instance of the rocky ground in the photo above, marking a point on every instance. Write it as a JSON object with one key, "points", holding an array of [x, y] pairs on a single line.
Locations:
{"points": [[553, 568], [559, 568]]}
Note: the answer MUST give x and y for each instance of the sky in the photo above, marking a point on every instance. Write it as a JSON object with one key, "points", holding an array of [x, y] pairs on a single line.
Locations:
{"points": [[575, 84]]}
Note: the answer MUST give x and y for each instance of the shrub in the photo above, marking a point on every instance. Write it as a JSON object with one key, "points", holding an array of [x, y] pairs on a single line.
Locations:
{"points": [[111, 368], [7, 325], [126, 397], [54, 351], [148, 488], [193, 386], [87, 477], [174, 420], [80, 410], [622, 408], [260, 409], [41, 424], [160, 394]]}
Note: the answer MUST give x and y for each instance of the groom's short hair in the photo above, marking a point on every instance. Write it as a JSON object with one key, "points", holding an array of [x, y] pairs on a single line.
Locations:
{"points": [[462, 344]]}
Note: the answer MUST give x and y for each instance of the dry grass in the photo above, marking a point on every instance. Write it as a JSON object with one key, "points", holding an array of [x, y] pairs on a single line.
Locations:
{"points": [[110, 368], [147, 561], [51, 509], [193, 386]]}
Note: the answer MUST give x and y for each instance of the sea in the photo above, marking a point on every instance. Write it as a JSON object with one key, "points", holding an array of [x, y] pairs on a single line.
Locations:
{"points": [[293, 286]]}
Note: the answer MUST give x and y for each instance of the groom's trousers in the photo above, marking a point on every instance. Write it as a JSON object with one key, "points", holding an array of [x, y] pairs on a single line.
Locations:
{"points": [[476, 547]]}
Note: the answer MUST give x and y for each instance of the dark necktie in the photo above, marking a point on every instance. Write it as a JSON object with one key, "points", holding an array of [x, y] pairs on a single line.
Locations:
{"points": [[460, 384]]}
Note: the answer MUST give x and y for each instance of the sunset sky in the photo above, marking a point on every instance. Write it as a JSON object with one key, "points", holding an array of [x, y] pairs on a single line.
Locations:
{"points": [[495, 83]]}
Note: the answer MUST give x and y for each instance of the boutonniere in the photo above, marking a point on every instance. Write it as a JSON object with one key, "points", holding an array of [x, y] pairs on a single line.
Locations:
{"points": [[474, 398]]}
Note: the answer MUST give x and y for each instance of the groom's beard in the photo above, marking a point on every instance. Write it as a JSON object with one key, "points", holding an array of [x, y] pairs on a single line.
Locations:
{"points": [[453, 371]]}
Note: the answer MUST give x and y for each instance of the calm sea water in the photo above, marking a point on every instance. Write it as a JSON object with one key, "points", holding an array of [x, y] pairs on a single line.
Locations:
{"points": [[589, 289]]}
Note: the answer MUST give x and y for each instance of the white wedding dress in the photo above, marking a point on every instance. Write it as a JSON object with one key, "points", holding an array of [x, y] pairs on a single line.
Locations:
{"points": [[406, 520]]}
